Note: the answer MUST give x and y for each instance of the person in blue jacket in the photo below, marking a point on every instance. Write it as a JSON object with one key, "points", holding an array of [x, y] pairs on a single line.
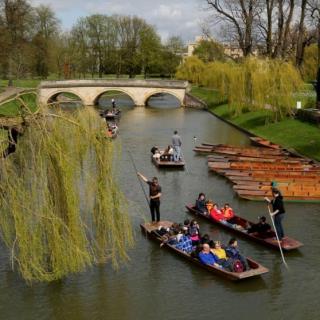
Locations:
{"points": [[207, 257]]}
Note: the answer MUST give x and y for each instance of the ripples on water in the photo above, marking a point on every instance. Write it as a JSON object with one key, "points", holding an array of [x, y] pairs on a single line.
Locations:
{"points": [[158, 285]]}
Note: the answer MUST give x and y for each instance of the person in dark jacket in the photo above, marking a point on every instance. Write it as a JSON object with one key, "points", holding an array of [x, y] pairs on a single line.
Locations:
{"points": [[278, 211], [154, 196], [233, 253], [201, 203], [261, 229]]}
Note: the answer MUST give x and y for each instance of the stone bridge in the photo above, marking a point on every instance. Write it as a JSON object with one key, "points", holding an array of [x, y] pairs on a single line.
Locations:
{"points": [[89, 91]]}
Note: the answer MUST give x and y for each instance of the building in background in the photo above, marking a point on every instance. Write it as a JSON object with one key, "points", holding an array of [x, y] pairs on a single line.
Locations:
{"points": [[231, 50]]}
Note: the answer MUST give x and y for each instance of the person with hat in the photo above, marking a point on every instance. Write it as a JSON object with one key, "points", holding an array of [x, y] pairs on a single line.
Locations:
{"points": [[154, 196]]}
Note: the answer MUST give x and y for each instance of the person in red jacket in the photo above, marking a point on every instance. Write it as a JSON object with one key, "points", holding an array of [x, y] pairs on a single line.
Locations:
{"points": [[216, 213], [227, 212]]}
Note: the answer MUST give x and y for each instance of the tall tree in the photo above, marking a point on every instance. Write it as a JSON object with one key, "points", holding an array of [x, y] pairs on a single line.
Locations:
{"points": [[240, 15], [209, 50], [18, 21], [172, 55], [46, 29]]}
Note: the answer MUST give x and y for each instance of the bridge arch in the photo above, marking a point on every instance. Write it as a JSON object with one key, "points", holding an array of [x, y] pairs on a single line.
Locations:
{"points": [[106, 90], [169, 92], [53, 95]]}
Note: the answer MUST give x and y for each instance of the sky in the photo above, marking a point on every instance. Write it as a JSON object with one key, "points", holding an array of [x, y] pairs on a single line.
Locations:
{"points": [[170, 17]]}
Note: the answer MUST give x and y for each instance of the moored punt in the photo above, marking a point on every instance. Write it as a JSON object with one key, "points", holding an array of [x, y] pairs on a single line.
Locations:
{"points": [[245, 152], [271, 159], [287, 244], [266, 175], [291, 196], [264, 143], [256, 269]]}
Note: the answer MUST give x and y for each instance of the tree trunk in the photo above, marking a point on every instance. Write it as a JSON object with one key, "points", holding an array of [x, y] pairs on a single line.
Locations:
{"points": [[300, 42], [287, 29], [277, 48], [269, 4]]}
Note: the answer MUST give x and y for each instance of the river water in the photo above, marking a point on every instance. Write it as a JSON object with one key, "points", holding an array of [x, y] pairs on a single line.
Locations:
{"points": [[155, 284]]}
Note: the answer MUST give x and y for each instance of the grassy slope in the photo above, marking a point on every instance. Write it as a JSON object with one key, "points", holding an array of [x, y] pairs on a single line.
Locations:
{"points": [[12, 108], [290, 133]]}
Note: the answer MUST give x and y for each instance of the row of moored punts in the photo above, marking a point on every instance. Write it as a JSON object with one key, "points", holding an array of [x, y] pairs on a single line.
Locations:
{"points": [[252, 169]]}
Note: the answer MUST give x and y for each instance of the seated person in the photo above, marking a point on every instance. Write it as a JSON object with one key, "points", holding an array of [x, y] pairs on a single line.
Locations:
{"points": [[168, 152], [169, 238], [186, 224], [205, 239], [262, 228], [216, 213], [157, 154], [219, 251], [209, 205], [185, 242], [153, 150], [201, 203], [227, 212], [233, 252], [194, 232], [207, 257], [221, 254]]}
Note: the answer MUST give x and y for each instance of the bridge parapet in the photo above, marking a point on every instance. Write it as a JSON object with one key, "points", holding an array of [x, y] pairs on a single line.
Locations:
{"points": [[90, 90]]}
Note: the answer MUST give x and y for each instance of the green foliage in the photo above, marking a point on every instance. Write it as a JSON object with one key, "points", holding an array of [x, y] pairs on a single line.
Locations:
{"points": [[310, 63], [209, 51], [15, 106], [61, 208], [191, 70], [251, 85]]}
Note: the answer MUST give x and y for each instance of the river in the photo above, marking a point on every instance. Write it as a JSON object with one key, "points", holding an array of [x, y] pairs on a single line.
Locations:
{"points": [[155, 284]]}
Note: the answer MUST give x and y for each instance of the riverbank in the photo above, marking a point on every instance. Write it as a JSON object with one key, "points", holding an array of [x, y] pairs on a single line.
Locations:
{"points": [[289, 133], [12, 101]]}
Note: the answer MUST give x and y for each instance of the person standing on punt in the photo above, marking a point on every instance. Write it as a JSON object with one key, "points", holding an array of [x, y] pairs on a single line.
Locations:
{"points": [[278, 211], [176, 143], [154, 196], [113, 103]]}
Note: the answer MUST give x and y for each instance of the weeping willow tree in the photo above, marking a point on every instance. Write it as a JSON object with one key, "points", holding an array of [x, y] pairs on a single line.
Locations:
{"points": [[216, 75], [61, 208], [192, 70], [250, 85]]}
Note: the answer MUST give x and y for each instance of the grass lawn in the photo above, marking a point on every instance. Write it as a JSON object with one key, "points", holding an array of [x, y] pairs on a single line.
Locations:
{"points": [[290, 133], [13, 108]]}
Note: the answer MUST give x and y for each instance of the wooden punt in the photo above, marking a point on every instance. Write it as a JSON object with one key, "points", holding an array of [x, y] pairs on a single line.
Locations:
{"points": [[264, 143], [259, 195], [111, 115], [239, 148], [267, 174], [289, 187], [232, 150], [256, 268], [288, 244], [165, 162], [280, 159], [264, 166]]}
